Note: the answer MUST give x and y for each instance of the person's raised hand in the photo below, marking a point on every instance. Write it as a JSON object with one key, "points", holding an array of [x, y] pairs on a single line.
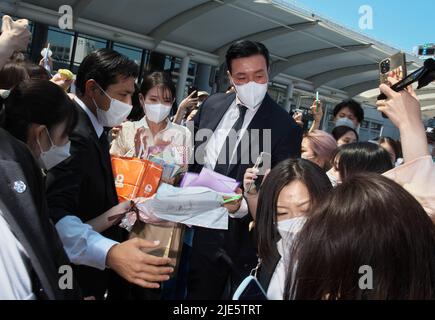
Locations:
{"points": [[234, 206], [140, 142], [405, 113], [317, 111], [189, 102], [61, 81], [15, 34], [297, 116], [402, 108]]}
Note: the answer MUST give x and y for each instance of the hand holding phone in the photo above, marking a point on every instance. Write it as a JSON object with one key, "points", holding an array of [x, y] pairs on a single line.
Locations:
{"points": [[233, 204], [262, 164]]}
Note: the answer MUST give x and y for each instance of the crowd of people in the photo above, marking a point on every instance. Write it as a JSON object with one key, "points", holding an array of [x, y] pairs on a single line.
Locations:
{"points": [[328, 205]]}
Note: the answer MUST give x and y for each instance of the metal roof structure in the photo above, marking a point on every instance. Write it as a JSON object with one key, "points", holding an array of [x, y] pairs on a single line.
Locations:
{"points": [[307, 50]]}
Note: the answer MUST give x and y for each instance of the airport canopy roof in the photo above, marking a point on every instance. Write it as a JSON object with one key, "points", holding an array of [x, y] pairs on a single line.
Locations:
{"points": [[310, 51]]}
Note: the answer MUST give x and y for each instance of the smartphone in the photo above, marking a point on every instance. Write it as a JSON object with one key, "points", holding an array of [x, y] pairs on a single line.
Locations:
{"points": [[192, 89], [263, 163], [300, 111], [250, 289], [317, 101], [396, 64]]}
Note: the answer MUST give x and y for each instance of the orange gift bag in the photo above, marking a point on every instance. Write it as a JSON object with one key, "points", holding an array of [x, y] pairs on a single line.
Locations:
{"points": [[135, 177]]}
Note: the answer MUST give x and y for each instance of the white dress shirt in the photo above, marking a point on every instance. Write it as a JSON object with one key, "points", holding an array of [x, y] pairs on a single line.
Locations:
{"points": [[217, 140], [97, 126], [15, 267], [82, 244]]}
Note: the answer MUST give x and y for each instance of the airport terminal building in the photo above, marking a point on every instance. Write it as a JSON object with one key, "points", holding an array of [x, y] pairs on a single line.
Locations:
{"points": [[189, 39]]}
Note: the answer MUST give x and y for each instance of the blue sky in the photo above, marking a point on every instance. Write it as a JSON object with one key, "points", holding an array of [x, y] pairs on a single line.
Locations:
{"points": [[402, 24]]}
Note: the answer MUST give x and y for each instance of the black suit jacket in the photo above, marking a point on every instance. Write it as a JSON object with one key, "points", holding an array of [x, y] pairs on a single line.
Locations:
{"points": [[27, 215], [286, 135], [83, 185], [235, 246]]}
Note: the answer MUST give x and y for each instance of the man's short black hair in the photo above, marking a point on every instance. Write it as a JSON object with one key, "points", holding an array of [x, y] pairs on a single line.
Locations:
{"points": [[244, 49], [104, 65], [354, 106]]}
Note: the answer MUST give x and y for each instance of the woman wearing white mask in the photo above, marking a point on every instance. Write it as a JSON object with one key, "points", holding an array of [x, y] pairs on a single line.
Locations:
{"points": [[286, 198], [43, 124], [157, 94]]}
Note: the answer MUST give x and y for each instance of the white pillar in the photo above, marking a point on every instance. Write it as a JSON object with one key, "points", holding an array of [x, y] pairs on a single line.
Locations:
{"points": [[181, 83], [299, 101], [289, 96]]}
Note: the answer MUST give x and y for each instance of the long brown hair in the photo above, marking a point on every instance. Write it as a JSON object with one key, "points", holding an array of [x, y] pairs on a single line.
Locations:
{"points": [[368, 220]]}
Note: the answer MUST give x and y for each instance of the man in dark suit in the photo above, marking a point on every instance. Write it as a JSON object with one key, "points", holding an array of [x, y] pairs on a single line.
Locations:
{"points": [[232, 130], [82, 187], [23, 207]]}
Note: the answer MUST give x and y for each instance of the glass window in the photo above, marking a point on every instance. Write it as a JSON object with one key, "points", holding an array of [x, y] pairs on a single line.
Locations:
{"points": [[365, 124], [169, 63], [133, 53], [375, 126], [192, 69], [29, 47], [61, 45], [85, 45]]}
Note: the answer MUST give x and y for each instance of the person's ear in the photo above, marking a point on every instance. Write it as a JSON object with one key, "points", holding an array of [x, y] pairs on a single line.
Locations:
{"points": [[91, 89], [37, 133]]}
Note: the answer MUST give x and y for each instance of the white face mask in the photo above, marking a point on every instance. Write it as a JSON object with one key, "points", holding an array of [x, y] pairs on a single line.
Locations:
{"points": [[117, 113], [289, 227], [332, 178], [55, 155], [251, 94], [345, 122], [157, 112]]}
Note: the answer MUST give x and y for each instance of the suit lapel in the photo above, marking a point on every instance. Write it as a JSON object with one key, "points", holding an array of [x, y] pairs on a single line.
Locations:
{"points": [[104, 157], [216, 111], [86, 123]]}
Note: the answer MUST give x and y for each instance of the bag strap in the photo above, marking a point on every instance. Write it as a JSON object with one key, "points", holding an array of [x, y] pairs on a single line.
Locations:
{"points": [[255, 270]]}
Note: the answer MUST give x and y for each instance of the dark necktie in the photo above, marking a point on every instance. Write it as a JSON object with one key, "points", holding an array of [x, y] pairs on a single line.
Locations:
{"points": [[223, 161], [105, 148], [104, 141]]}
